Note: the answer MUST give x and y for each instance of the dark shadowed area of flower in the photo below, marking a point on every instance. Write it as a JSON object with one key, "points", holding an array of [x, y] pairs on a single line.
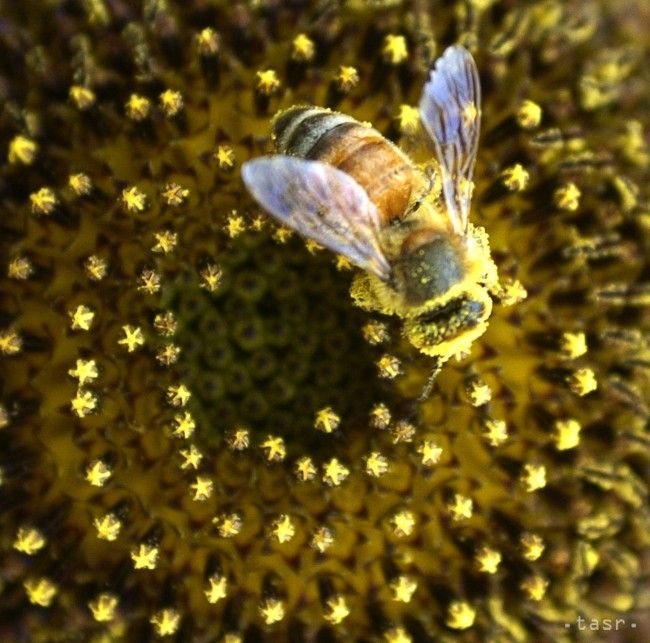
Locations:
{"points": [[203, 439]]}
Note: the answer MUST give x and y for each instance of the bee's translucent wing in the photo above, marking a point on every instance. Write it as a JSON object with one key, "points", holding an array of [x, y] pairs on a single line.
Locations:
{"points": [[450, 109], [321, 203]]}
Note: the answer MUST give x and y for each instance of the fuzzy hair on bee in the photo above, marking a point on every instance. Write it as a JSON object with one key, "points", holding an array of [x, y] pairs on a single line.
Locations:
{"points": [[344, 185]]}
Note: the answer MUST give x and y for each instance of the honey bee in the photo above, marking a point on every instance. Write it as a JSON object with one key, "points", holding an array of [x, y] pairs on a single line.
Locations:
{"points": [[342, 184]]}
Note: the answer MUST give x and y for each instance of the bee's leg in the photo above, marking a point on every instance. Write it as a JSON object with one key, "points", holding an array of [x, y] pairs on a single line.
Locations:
{"points": [[437, 367]]}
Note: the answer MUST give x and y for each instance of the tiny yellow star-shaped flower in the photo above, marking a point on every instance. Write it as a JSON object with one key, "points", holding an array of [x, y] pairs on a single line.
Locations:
{"points": [[274, 448], [168, 354], [402, 588], [460, 615], [478, 392], [403, 523], [302, 48], [534, 587], [397, 635], [108, 526], [312, 246], [29, 540], [202, 488], [238, 439], [134, 200], [322, 539], [334, 473], [138, 107], [178, 395], [512, 292], [191, 457], [228, 525], [165, 324], [583, 381], [211, 277], [95, 267], [272, 611], [98, 472], [257, 223], [83, 403], [389, 367], [430, 453], [327, 420], [83, 97], [268, 82], [305, 469], [133, 338], [4, 417], [515, 178], [336, 609], [529, 114], [145, 556], [80, 184], [408, 120], [469, 114], [347, 78], [103, 607], [566, 434], [573, 345], [283, 529], [85, 371], [22, 150], [40, 591], [495, 431], [533, 477], [402, 431], [376, 464], [282, 234], [165, 621], [235, 225], [44, 201], [20, 268], [217, 588], [174, 194], [375, 333], [224, 157], [461, 507], [81, 318], [166, 241], [149, 282], [380, 417], [208, 42], [171, 102], [487, 560], [567, 197], [532, 546], [395, 50], [343, 263], [11, 343]]}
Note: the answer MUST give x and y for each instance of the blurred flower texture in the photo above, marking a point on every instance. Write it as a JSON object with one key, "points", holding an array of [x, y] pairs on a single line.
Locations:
{"points": [[204, 440]]}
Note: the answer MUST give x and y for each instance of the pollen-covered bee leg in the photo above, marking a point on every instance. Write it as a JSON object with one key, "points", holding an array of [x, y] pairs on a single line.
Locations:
{"points": [[428, 386]]}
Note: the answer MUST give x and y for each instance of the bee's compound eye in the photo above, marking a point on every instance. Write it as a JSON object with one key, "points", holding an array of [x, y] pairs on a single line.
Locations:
{"points": [[430, 270]]}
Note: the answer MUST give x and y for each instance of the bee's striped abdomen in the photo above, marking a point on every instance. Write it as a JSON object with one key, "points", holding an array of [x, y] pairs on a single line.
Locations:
{"points": [[360, 151]]}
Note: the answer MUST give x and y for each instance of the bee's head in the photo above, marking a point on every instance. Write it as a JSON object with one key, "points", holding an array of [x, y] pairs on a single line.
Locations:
{"points": [[427, 270]]}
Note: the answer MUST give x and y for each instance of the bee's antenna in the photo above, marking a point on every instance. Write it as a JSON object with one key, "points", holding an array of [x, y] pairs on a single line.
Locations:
{"points": [[426, 391]]}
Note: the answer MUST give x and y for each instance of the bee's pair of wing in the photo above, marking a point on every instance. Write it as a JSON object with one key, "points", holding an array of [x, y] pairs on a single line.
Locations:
{"points": [[327, 205]]}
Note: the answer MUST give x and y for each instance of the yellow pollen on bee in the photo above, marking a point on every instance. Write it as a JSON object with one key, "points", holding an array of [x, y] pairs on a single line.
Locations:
{"points": [[133, 338], [487, 560], [283, 529], [567, 197], [171, 102], [566, 434], [145, 556], [217, 588], [43, 201], [103, 607], [133, 199], [22, 150], [327, 420], [80, 184], [403, 523], [29, 540], [334, 472], [83, 403], [460, 615], [515, 178], [40, 591], [305, 469], [178, 395], [460, 508], [83, 97], [20, 268], [272, 611], [532, 546], [528, 115], [108, 526], [534, 587], [395, 50], [138, 107], [495, 431], [274, 448], [166, 621], [582, 381], [403, 588], [268, 82], [430, 453], [191, 457], [11, 342], [98, 473], [322, 539], [336, 609], [533, 477], [302, 48]]}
